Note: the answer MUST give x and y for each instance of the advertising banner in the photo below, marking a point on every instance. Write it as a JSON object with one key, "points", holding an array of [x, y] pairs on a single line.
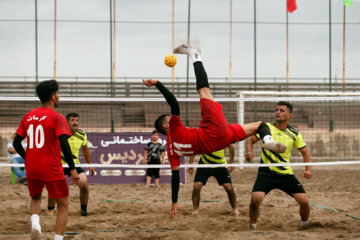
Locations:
{"points": [[123, 148]]}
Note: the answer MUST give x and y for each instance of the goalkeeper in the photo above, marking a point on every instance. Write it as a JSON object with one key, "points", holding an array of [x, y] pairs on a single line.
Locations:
{"points": [[213, 133]]}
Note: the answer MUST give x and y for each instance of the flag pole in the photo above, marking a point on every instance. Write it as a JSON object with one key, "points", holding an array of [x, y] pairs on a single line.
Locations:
{"points": [[36, 44], [230, 50], [114, 43], [172, 40], [330, 46], [187, 63], [287, 47], [112, 122], [343, 80], [55, 40], [331, 121], [255, 77]]}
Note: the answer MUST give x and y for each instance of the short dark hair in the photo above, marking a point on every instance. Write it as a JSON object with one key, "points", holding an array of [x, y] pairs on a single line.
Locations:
{"points": [[46, 89], [72, 114], [159, 123], [287, 104], [154, 132]]}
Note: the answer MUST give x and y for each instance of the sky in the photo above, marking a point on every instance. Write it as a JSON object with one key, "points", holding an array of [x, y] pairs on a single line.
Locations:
{"points": [[144, 38]]}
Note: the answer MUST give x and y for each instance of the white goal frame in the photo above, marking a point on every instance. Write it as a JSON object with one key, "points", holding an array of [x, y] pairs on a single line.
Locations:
{"points": [[283, 96]]}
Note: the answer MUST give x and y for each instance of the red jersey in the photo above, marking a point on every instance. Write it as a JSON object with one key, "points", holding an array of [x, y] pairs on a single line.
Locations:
{"points": [[213, 133], [43, 126]]}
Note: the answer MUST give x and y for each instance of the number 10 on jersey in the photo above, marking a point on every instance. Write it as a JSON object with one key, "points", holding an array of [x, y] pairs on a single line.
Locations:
{"points": [[39, 137]]}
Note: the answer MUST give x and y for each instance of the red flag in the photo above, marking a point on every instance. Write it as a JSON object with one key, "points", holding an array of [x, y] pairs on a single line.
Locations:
{"points": [[291, 5]]}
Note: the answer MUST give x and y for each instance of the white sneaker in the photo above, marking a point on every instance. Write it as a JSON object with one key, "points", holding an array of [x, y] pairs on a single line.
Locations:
{"points": [[186, 49], [304, 223], [195, 212], [35, 232], [253, 226], [275, 147]]}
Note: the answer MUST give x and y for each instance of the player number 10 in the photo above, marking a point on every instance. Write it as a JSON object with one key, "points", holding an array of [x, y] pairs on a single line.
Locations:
{"points": [[39, 136]]}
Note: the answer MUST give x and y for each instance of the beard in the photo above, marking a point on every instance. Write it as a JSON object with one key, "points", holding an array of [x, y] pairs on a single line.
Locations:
{"points": [[280, 121]]}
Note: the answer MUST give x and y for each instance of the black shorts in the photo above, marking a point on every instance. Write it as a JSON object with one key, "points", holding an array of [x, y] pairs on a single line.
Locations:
{"points": [[221, 174], [67, 171], [287, 183], [153, 172]]}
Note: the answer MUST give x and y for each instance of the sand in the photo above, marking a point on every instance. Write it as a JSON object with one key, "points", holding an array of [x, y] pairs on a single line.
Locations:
{"points": [[133, 212]]}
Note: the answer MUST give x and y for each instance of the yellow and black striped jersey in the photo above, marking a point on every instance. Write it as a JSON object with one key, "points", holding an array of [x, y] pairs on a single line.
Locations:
{"points": [[76, 141], [217, 157], [290, 137]]}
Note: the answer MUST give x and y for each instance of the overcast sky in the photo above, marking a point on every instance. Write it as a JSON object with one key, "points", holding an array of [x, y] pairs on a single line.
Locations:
{"points": [[83, 48]]}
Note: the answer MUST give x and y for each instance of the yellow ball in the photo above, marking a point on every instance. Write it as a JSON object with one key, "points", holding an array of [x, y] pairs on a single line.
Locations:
{"points": [[170, 60]]}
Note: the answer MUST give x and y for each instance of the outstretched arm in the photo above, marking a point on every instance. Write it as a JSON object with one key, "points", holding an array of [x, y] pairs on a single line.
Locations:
{"points": [[170, 98]]}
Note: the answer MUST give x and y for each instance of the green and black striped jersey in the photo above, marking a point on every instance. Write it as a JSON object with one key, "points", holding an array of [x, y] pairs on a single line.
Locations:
{"points": [[290, 137], [76, 141], [217, 157]]}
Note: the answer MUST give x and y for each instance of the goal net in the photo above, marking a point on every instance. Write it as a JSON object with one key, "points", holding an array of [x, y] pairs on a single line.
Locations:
{"points": [[328, 122]]}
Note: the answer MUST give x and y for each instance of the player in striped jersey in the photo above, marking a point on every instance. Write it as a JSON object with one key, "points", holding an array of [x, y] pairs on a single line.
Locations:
{"points": [[77, 140], [282, 178], [222, 175]]}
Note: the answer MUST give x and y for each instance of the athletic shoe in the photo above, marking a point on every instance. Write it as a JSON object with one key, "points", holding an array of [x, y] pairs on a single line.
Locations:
{"points": [[51, 212], [253, 227], [84, 213], [195, 212], [275, 147], [186, 49], [35, 232], [23, 180], [304, 223]]}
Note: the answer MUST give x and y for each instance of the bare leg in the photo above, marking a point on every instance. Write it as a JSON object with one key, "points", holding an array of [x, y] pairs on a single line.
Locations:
{"points": [[205, 93], [35, 204], [196, 196], [261, 128], [51, 206], [148, 181], [254, 209], [84, 193], [303, 201], [84, 189], [231, 196], [35, 207], [62, 215], [157, 180]]}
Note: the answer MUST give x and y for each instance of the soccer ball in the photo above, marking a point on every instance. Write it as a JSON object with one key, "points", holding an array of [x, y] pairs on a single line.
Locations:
{"points": [[170, 60]]}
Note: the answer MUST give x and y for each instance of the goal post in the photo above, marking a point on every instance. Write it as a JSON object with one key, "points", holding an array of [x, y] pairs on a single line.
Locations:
{"points": [[326, 116]]}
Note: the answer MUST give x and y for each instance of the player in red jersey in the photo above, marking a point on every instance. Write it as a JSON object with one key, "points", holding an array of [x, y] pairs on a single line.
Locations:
{"points": [[47, 132], [213, 133]]}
